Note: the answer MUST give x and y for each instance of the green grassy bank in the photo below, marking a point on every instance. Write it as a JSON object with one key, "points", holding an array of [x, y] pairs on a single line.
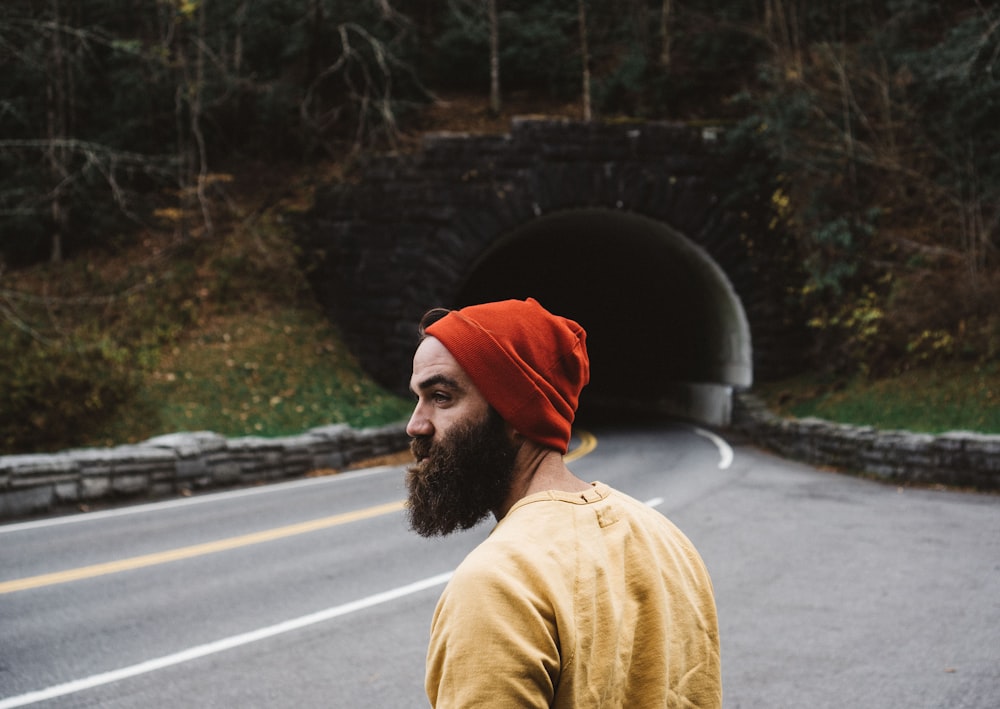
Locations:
{"points": [[947, 397]]}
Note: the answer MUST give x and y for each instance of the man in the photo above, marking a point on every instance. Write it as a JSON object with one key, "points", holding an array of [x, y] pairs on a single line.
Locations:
{"points": [[581, 596]]}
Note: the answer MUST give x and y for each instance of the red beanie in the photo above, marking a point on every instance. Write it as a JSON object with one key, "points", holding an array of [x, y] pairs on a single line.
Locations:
{"points": [[529, 364]]}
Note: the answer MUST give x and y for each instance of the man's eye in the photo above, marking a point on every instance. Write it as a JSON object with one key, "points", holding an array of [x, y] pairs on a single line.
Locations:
{"points": [[440, 397]]}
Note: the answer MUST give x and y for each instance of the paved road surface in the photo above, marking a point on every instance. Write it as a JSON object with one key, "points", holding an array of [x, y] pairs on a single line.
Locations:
{"points": [[832, 591]]}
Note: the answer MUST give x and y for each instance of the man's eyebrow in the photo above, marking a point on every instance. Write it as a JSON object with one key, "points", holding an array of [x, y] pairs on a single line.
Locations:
{"points": [[439, 380]]}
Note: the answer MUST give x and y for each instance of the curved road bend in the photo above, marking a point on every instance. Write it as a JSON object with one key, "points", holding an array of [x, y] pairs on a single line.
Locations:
{"points": [[832, 591]]}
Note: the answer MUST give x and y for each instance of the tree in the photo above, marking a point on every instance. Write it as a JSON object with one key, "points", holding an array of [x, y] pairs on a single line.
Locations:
{"points": [[665, 30], [581, 7], [494, 57], [885, 120], [83, 158], [59, 102]]}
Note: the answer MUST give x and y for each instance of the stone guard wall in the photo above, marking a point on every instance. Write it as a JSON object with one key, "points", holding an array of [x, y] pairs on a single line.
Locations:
{"points": [[179, 462], [957, 458], [182, 462]]}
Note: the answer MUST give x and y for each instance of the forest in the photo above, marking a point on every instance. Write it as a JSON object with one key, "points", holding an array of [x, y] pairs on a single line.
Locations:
{"points": [[148, 149]]}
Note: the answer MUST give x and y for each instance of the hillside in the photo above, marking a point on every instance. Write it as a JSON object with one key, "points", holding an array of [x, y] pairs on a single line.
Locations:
{"points": [[221, 333], [149, 156], [217, 332]]}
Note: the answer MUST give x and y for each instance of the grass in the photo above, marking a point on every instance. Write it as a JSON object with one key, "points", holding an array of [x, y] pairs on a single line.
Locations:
{"points": [[948, 397], [224, 336], [274, 372], [215, 332]]}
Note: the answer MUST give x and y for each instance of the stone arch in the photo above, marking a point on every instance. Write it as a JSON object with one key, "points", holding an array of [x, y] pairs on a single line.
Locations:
{"points": [[671, 265]]}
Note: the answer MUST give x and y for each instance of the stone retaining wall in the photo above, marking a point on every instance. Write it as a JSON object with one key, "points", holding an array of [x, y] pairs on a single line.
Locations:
{"points": [[185, 462], [956, 458], [181, 462]]}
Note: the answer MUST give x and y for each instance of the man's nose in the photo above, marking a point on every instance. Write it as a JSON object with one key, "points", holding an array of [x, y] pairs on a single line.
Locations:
{"points": [[419, 424]]}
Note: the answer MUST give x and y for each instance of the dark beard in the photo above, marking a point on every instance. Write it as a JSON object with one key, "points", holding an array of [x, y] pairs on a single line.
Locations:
{"points": [[467, 475]]}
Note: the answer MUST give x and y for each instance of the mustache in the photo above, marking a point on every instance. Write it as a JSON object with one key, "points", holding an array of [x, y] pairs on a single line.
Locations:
{"points": [[421, 447]]}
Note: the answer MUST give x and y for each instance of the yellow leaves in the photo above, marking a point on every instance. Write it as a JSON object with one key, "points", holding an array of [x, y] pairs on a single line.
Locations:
{"points": [[782, 203], [780, 200], [217, 177], [168, 214], [862, 318], [930, 343], [187, 7]]}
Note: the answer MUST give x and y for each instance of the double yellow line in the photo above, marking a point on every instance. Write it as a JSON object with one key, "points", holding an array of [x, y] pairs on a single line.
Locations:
{"points": [[588, 443]]}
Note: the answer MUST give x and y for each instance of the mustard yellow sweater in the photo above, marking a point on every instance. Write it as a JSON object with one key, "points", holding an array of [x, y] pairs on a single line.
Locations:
{"points": [[577, 600]]}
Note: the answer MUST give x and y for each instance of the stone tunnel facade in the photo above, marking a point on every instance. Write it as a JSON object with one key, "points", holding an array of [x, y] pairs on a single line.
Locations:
{"points": [[631, 229]]}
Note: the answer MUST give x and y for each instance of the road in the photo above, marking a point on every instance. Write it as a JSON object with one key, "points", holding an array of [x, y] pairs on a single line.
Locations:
{"points": [[832, 591]]}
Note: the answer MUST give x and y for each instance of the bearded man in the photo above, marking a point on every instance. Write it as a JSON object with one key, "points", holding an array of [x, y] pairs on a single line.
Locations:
{"points": [[581, 596]]}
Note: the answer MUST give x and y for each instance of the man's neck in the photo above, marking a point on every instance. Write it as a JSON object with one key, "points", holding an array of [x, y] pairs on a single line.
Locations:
{"points": [[539, 469]]}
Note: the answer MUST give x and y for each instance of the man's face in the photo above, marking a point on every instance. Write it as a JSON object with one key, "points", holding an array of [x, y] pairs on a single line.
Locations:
{"points": [[461, 478], [464, 452]]}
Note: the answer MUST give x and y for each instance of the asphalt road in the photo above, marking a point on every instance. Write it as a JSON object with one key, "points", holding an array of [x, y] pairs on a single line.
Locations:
{"points": [[832, 591]]}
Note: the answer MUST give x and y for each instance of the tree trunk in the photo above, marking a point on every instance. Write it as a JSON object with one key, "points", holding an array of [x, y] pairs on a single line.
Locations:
{"points": [[584, 58], [241, 22], [665, 22], [57, 128], [197, 110], [494, 58], [314, 60]]}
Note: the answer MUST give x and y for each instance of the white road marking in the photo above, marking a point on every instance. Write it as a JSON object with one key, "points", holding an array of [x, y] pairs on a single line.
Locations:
{"points": [[725, 452], [61, 690]]}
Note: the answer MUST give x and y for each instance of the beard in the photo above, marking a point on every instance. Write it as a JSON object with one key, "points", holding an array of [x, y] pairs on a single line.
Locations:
{"points": [[461, 478]]}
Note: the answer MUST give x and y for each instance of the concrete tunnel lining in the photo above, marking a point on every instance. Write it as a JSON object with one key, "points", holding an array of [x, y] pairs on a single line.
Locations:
{"points": [[666, 329]]}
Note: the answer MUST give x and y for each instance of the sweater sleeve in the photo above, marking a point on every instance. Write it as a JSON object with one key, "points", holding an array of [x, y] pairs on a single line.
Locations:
{"points": [[493, 638]]}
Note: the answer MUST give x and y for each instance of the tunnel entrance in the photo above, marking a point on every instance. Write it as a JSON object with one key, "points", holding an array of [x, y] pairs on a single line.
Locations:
{"points": [[666, 332]]}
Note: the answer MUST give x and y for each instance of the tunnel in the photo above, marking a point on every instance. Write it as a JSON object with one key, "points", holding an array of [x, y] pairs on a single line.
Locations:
{"points": [[666, 332], [637, 231]]}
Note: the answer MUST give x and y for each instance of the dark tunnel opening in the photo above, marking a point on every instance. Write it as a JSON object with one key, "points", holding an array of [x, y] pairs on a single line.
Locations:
{"points": [[666, 332]]}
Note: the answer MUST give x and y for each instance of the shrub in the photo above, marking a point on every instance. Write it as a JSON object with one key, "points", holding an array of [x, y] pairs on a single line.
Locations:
{"points": [[53, 393]]}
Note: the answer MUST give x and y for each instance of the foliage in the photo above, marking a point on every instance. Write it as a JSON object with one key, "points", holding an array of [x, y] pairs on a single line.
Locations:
{"points": [[953, 88], [930, 399], [58, 391], [537, 49], [178, 335], [155, 137], [279, 372], [885, 125], [115, 113], [76, 340]]}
